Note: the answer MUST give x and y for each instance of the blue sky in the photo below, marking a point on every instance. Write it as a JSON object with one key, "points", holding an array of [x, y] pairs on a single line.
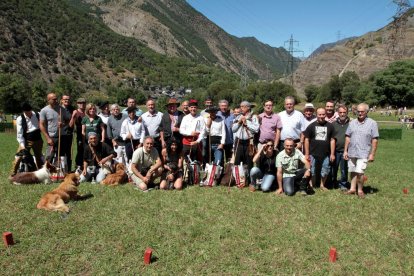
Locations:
{"points": [[311, 22]]}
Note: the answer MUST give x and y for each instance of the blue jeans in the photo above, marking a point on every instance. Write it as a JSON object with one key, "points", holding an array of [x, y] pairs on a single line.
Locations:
{"points": [[325, 169], [267, 179], [217, 153], [343, 164], [100, 175], [290, 182]]}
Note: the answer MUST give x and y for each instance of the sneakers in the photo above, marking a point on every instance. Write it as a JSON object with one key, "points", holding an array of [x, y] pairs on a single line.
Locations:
{"points": [[252, 188]]}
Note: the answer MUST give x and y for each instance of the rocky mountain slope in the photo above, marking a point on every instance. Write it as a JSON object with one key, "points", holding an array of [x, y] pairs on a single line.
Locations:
{"points": [[364, 55], [174, 28]]}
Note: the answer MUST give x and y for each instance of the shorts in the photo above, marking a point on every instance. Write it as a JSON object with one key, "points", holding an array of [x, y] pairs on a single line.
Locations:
{"points": [[326, 167], [357, 165]]}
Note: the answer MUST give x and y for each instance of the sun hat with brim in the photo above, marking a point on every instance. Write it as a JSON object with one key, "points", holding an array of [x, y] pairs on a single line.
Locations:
{"points": [[309, 106], [173, 101]]}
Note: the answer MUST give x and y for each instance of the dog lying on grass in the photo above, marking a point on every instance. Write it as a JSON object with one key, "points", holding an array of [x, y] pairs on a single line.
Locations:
{"points": [[67, 190], [40, 176], [116, 178]]}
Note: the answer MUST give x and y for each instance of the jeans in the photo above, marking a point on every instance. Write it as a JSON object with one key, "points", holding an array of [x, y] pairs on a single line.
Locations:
{"points": [[267, 179], [217, 153], [289, 182], [100, 175], [343, 164]]}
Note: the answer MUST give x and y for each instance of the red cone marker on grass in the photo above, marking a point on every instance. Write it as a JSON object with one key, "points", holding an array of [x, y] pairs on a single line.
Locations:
{"points": [[332, 255], [147, 256], [8, 239], [405, 191]]}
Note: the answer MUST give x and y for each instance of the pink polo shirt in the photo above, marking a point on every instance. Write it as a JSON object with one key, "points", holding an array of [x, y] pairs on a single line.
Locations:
{"points": [[268, 126]]}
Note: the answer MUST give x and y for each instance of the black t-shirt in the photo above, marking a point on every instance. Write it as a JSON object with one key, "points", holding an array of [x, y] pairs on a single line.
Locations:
{"points": [[320, 138], [267, 165], [102, 150]]}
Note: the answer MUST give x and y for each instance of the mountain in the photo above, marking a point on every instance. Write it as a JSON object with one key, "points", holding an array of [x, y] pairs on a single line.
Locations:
{"points": [[364, 55], [327, 46], [49, 40], [174, 28], [275, 58]]}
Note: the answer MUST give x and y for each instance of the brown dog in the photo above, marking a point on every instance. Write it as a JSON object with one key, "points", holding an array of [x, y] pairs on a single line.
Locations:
{"points": [[56, 199], [116, 178], [39, 176]]}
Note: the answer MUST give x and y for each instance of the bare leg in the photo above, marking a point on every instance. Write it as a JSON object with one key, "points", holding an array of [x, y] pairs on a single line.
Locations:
{"points": [[354, 179]]}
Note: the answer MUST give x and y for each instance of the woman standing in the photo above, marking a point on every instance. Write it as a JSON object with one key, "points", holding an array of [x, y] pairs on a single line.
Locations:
{"points": [[91, 122]]}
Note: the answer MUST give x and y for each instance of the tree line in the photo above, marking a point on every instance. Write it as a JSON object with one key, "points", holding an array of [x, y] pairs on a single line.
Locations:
{"points": [[393, 86]]}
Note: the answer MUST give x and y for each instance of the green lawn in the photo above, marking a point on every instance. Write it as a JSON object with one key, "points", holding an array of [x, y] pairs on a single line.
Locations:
{"points": [[210, 231]]}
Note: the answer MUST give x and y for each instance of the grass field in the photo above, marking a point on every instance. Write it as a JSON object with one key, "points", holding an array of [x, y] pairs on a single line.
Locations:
{"points": [[210, 231]]}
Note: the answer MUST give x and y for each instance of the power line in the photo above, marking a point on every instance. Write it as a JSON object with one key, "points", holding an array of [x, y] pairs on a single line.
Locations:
{"points": [[291, 60], [397, 30], [244, 75]]}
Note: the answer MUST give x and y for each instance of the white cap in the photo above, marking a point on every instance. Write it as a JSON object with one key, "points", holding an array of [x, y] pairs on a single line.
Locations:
{"points": [[309, 106]]}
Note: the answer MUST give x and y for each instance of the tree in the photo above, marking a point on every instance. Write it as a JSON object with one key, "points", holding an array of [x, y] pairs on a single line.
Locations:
{"points": [[395, 85], [64, 85], [14, 90], [311, 92]]}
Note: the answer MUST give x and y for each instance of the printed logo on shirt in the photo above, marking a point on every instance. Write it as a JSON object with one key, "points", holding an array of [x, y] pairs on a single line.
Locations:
{"points": [[321, 132]]}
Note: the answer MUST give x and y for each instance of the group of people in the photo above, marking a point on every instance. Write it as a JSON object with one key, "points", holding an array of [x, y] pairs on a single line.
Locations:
{"points": [[290, 151]]}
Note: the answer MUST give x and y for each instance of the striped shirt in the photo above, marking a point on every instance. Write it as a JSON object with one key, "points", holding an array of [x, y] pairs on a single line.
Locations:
{"points": [[361, 135]]}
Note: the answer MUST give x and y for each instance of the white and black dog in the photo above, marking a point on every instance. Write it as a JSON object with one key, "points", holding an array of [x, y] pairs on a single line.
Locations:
{"points": [[40, 176]]}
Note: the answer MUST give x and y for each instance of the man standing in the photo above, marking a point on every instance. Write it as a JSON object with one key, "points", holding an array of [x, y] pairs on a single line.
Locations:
{"points": [[152, 121], [170, 123], [288, 173], [113, 130], [270, 125], [340, 126], [192, 129], [207, 104], [320, 144], [67, 133], [228, 118], [132, 103], [96, 156], [331, 115], [28, 134], [52, 118], [76, 120], [146, 164], [216, 136], [293, 123], [245, 126], [360, 146], [308, 113], [185, 108]]}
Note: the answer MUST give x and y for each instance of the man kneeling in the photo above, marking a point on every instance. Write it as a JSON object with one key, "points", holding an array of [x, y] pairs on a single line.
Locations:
{"points": [[146, 164], [96, 156], [288, 172]]}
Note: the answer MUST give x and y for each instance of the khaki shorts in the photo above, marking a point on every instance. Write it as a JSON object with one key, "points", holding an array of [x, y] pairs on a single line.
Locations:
{"points": [[357, 165]]}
